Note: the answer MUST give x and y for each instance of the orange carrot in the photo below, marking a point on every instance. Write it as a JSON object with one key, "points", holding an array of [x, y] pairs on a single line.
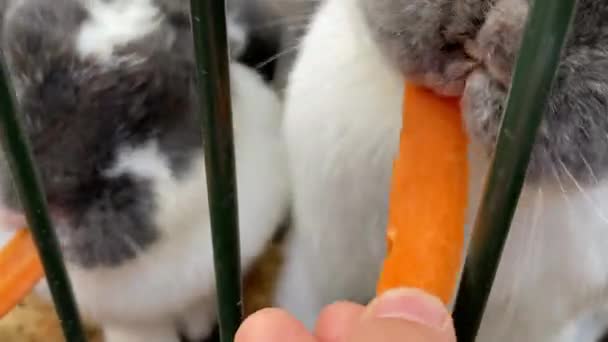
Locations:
{"points": [[20, 270], [428, 197]]}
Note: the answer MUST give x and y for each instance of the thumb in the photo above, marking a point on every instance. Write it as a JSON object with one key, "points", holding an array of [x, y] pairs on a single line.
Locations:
{"points": [[404, 315]]}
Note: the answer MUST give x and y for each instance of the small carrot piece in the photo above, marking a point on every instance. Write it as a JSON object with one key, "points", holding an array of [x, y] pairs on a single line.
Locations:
{"points": [[428, 197], [20, 270]]}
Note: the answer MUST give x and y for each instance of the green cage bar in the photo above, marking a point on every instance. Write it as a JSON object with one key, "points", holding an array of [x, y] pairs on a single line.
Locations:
{"points": [[211, 47], [24, 173], [540, 52]]}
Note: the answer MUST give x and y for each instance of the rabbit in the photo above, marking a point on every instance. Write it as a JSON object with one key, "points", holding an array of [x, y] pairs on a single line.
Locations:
{"points": [[107, 98], [342, 125]]}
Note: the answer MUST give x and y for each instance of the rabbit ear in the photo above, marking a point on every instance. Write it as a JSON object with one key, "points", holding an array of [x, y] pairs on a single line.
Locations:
{"points": [[37, 31]]}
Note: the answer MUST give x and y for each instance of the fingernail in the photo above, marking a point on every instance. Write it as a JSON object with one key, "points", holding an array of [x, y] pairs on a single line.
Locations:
{"points": [[410, 305]]}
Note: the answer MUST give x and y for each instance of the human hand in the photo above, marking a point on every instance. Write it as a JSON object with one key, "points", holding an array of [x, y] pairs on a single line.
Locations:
{"points": [[399, 315]]}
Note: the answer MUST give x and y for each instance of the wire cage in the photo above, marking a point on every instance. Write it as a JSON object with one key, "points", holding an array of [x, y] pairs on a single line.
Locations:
{"points": [[547, 29]]}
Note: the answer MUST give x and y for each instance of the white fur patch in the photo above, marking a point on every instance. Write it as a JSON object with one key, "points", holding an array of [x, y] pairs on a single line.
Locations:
{"points": [[146, 162], [114, 23], [341, 126]]}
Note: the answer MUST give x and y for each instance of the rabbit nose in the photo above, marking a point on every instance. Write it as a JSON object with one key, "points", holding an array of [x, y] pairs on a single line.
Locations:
{"points": [[11, 219]]}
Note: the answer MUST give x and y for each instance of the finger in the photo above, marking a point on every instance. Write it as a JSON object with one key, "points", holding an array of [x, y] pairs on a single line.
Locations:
{"points": [[395, 330], [10, 220], [273, 325], [336, 320], [404, 315]]}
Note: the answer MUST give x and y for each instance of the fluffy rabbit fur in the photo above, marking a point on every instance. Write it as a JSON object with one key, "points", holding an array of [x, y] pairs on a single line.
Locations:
{"points": [[342, 128], [107, 97]]}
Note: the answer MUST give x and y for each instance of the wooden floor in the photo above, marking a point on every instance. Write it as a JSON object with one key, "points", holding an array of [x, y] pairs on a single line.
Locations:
{"points": [[35, 320]]}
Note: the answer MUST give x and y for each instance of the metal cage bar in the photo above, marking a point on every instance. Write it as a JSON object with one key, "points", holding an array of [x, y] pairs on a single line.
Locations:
{"points": [[31, 195], [211, 46], [539, 56]]}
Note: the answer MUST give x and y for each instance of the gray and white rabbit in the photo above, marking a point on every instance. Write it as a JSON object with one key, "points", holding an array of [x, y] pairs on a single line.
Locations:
{"points": [[342, 125], [107, 97]]}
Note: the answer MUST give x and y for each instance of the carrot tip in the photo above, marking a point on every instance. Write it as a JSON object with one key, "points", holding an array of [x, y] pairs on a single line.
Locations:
{"points": [[21, 270]]}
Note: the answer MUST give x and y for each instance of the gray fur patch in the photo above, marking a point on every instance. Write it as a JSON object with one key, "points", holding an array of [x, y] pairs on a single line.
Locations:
{"points": [[572, 144], [432, 42], [114, 227]]}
